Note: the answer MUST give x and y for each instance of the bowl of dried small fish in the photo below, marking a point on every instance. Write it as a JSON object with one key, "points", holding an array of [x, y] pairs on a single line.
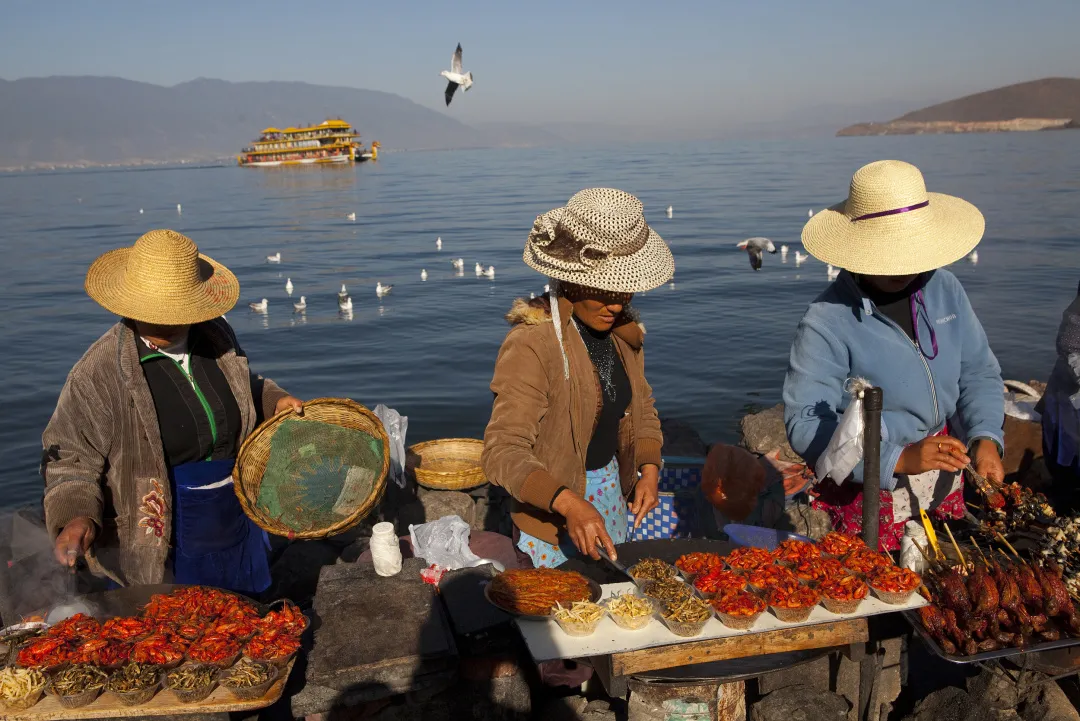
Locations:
{"points": [[249, 680], [687, 617], [630, 611], [191, 683], [77, 685], [581, 619], [20, 688], [667, 591], [135, 683], [652, 569]]}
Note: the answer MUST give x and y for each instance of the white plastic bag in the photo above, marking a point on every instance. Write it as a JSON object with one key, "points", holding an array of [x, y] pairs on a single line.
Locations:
{"points": [[444, 542], [395, 425], [845, 448]]}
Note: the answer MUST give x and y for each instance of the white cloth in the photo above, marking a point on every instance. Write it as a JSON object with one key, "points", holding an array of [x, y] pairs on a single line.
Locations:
{"points": [[177, 351]]}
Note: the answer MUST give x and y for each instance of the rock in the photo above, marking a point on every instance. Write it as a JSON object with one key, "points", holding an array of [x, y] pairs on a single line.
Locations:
{"points": [[801, 518], [567, 708], [447, 503], [764, 433], [994, 688], [1046, 702], [814, 674], [800, 703], [681, 439], [951, 704]]}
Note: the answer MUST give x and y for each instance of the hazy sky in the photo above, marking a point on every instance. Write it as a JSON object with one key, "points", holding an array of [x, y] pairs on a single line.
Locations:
{"points": [[691, 64]]}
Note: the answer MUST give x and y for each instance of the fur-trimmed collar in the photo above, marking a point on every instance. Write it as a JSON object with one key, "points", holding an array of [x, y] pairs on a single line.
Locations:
{"points": [[537, 311]]}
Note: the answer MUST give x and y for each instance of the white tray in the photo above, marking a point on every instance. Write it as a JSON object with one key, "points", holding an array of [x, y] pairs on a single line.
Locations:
{"points": [[546, 641]]}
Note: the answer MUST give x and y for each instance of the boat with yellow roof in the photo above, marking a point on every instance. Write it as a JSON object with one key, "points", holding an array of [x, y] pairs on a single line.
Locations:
{"points": [[331, 141]]}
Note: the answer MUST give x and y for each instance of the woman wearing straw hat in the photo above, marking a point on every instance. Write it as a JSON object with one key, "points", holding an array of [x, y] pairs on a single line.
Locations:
{"points": [[139, 452], [574, 431], [895, 318]]}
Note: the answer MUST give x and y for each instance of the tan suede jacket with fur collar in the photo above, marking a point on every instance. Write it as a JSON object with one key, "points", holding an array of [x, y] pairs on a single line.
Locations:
{"points": [[541, 423]]}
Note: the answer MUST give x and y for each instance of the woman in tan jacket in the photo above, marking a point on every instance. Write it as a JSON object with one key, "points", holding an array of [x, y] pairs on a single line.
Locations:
{"points": [[574, 431]]}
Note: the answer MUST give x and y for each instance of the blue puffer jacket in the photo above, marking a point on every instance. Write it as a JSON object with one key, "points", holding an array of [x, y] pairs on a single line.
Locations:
{"points": [[843, 335]]}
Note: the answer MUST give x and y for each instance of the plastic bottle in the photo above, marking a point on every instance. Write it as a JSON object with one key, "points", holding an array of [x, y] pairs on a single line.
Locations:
{"points": [[385, 549], [910, 557]]}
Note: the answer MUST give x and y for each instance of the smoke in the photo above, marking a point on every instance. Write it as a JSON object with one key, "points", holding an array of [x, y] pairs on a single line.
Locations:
{"points": [[32, 583]]}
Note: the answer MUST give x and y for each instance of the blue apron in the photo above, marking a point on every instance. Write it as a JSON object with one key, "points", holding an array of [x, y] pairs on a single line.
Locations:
{"points": [[215, 543]]}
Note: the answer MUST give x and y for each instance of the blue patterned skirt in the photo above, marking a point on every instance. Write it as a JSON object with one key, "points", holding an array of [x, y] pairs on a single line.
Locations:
{"points": [[602, 489]]}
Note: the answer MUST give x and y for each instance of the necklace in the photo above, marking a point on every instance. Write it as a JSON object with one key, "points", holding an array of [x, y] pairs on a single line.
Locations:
{"points": [[602, 353]]}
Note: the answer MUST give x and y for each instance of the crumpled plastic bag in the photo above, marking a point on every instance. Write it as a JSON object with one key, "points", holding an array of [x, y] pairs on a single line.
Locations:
{"points": [[395, 425], [845, 448], [444, 542]]}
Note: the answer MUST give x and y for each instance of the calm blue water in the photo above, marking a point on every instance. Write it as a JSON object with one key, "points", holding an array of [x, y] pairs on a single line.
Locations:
{"points": [[718, 338]]}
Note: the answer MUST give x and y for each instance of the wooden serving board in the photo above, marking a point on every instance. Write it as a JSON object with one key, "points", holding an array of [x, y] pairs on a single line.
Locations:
{"points": [[163, 704]]}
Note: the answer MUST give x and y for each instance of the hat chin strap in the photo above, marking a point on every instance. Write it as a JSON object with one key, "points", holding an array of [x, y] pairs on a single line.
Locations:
{"points": [[553, 300]]}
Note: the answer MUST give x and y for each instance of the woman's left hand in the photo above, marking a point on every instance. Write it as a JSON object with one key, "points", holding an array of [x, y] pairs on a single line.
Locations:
{"points": [[987, 462], [646, 493], [290, 402]]}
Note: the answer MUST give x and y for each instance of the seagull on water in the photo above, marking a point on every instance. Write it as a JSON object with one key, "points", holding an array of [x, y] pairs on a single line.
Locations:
{"points": [[438, 244], [259, 307], [832, 273], [179, 210], [275, 258], [302, 305], [288, 286], [754, 247], [343, 293], [479, 270], [351, 216], [670, 210], [783, 253], [532, 296], [140, 211], [423, 274], [547, 288], [490, 272], [345, 304], [810, 213], [455, 76], [458, 264], [381, 290], [974, 257], [800, 258]]}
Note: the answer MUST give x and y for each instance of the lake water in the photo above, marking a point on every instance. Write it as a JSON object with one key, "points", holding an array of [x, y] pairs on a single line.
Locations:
{"points": [[718, 338]]}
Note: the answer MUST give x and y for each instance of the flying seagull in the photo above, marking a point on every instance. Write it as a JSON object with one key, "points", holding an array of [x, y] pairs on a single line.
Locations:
{"points": [[455, 76], [754, 248]]}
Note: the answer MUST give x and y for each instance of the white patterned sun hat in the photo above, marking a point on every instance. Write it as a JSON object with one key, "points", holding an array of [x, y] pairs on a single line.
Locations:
{"points": [[600, 239], [890, 225]]}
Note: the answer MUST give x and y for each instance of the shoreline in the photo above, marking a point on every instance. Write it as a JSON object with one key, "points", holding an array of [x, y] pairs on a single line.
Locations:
{"points": [[949, 127]]}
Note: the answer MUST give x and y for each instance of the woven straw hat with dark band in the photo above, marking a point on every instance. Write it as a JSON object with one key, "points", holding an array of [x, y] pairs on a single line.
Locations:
{"points": [[890, 225], [162, 279], [600, 240]]}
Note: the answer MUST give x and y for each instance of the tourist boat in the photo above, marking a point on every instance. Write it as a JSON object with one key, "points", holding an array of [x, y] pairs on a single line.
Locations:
{"points": [[331, 141]]}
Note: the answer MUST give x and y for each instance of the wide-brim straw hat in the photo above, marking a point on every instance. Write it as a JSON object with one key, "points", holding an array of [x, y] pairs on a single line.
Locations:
{"points": [[162, 279], [600, 240], [890, 225]]}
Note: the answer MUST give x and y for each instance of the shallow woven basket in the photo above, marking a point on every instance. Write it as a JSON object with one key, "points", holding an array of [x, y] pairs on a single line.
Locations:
{"points": [[448, 464], [255, 452]]}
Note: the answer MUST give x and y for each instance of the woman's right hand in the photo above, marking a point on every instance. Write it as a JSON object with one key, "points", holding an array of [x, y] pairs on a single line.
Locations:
{"points": [[584, 524], [74, 540], [936, 453]]}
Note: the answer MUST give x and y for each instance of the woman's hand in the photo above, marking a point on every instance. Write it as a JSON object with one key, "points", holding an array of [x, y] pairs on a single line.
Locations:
{"points": [[290, 402], [936, 453], [988, 461], [646, 493], [584, 524], [74, 541]]}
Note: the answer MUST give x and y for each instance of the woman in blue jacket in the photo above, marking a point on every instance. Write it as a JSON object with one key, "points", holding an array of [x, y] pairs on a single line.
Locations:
{"points": [[895, 318]]}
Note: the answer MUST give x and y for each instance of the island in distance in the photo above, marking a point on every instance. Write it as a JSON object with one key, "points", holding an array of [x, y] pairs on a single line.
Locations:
{"points": [[1047, 104]]}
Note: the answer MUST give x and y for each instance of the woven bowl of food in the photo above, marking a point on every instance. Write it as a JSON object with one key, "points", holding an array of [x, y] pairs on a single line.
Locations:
{"points": [[313, 475], [630, 611], [738, 609], [687, 618], [248, 680], [448, 464], [134, 684], [191, 684], [894, 585], [21, 688]]}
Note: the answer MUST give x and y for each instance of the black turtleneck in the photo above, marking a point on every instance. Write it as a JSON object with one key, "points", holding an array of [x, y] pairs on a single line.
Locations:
{"points": [[615, 391], [896, 306]]}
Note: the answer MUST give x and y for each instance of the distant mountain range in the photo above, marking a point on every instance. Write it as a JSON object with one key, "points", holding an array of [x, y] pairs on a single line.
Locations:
{"points": [[1047, 104]]}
